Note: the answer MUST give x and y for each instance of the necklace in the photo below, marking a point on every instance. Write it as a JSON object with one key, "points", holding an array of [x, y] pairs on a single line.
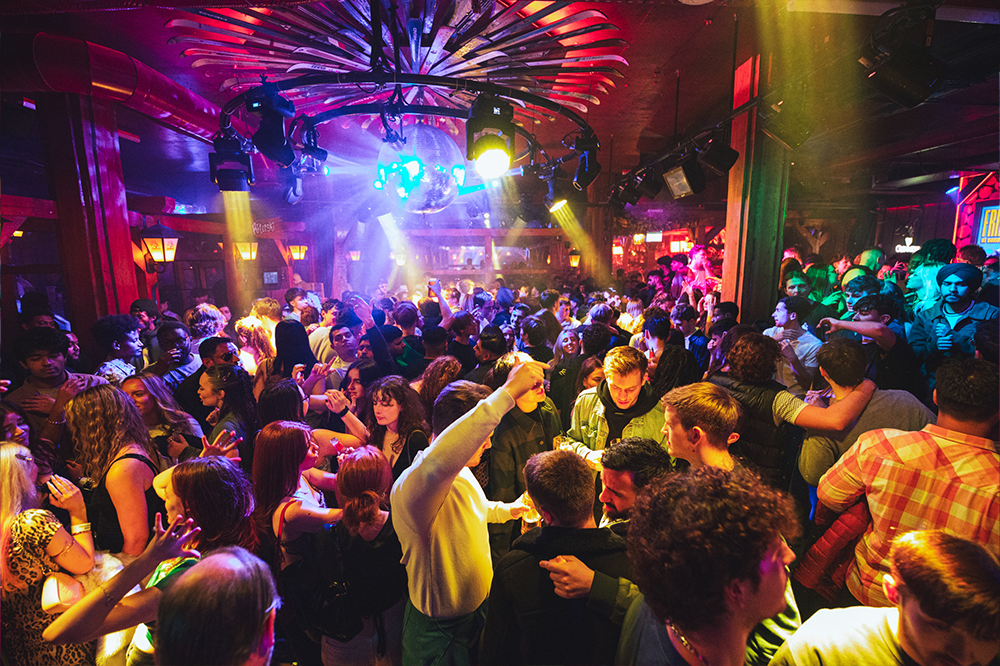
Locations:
{"points": [[685, 642], [398, 444]]}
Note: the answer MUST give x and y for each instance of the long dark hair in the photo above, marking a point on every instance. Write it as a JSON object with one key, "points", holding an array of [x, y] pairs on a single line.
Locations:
{"points": [[368, 374], [281, 401], [291, 343], [218, 496], [279, 450], [411, 409], [238, 400]]}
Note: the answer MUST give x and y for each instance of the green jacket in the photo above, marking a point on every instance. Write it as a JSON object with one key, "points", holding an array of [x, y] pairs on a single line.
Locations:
{"points": [[588, 431]]}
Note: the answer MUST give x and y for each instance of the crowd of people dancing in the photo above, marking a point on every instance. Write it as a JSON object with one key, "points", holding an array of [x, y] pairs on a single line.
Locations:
{"points": [[619, 473]]}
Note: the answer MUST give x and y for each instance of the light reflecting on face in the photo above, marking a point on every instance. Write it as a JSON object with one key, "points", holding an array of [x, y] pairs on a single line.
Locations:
{"points": [[16, 429], [625, 388], [139, 394], [209, 396], [570, 345], [386, 410], [617, 493]]}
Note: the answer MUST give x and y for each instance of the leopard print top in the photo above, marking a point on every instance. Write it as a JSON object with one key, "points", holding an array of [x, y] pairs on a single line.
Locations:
{"points": [[23, 617]]}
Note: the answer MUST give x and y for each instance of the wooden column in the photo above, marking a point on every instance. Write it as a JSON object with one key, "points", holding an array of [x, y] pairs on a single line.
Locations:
{"points": [[83, 163], [755, 217]]}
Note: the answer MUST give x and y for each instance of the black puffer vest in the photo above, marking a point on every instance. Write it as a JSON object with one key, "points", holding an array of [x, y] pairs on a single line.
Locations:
{"points": [[769, 450]]}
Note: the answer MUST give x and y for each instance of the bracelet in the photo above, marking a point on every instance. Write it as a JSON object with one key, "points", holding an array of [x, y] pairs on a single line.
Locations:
{"points": [[80, 529], [343, 413], [51, 422]]}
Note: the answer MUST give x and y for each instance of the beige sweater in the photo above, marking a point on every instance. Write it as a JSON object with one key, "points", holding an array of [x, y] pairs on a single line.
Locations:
{"points": [[440, 513]]}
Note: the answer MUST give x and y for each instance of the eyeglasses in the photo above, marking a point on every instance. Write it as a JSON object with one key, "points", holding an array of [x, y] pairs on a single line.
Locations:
{"points": [[229, 357], [24, 458]]}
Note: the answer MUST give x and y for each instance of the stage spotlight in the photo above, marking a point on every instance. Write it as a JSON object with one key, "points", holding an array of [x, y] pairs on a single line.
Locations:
{"points": [[230, 166], [787, 126], [587, 166], [270, 137], [489, 135], [685, 179], [629, 193], [649, 184], [557, 205], [717, 157], [491, 156], [905, 72]]}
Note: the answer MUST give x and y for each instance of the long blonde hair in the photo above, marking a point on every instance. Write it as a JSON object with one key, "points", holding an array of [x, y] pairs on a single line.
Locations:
{"points": [[251, 330], [103, 420], [17, 494]]}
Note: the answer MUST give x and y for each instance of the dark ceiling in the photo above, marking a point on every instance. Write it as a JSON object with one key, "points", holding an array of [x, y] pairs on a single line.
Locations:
{"points": [[681, 58]]}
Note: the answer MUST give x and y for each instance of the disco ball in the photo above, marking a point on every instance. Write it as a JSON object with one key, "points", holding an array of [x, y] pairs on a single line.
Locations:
{"points": [[422, 175]]}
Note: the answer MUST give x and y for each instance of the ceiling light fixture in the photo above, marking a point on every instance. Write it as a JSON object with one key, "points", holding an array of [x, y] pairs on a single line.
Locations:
{"points": [[685, 179], [717, 157], [489, 135], [270, 138], [587, 166], [230, 165]]}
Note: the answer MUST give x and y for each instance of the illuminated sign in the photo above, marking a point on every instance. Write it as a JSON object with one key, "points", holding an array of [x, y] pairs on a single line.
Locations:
{"points": [[989, 227]]}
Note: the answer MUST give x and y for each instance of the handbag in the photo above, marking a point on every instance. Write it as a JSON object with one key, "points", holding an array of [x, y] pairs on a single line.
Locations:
{"points": [[59, 592], [317, 588]]}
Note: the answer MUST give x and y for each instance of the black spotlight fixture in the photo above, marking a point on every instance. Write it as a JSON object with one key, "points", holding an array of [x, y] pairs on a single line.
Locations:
{"points": [[649, 184], [787, 126], [685, 179], [270, 138], [905, 72], [489, 136], [717, 157], [230, 165], [587, 166]]}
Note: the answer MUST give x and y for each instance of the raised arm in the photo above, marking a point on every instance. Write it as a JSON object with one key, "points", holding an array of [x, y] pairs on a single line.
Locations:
{"points": [[418, 494], [74, 553], [107, 609], [838, 416], [877, 331]]}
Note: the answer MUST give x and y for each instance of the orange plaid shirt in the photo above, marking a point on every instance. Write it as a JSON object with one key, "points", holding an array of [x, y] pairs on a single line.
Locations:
{"points": [[928, 479]]}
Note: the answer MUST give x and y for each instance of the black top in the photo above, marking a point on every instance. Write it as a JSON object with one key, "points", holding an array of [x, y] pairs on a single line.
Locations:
{"points": [[104, 516], [377, 579], [415, 443], [465, 354]]}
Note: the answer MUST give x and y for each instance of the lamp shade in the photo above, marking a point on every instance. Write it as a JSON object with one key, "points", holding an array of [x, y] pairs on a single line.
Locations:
{"points": [[574, 258], [160, 242], [248, 251], [298, 252]]}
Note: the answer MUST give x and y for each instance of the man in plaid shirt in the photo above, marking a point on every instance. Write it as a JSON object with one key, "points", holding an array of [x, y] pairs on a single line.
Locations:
{"points": [[946, 476]]}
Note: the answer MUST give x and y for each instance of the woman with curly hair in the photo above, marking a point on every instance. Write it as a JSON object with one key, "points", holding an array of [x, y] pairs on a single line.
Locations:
{"points": [[33, 544], [255, 343], [438, 374], [371, 555], [165, 421], [209, 505], [397, 423], [114, 450], [228, 390]]}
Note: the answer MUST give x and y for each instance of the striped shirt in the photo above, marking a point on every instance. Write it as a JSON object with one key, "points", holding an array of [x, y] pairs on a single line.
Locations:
{"points": [[928, 479]]}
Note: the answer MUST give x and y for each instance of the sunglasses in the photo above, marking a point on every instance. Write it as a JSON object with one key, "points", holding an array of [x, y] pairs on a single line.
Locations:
{"points": [[24, 458]]}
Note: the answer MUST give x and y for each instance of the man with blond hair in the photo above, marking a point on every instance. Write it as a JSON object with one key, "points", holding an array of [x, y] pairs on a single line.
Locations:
{"points": [[700, 422], [623, 405]]}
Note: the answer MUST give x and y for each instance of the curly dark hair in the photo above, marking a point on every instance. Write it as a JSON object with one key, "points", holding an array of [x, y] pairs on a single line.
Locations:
{"points": [[113, 328], [411, 409], [439, 373], [753, 358], [693, 534]]}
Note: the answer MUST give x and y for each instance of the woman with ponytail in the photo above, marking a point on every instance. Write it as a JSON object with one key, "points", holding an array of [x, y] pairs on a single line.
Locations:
{"points": [[371, 555]]}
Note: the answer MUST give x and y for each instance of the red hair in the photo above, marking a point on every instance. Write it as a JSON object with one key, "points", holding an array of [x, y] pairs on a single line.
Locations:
{"points": [[363, 482]]}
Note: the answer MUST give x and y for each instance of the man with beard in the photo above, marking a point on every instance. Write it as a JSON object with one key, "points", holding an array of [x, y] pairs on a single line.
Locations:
{"points": [[945, 330]]}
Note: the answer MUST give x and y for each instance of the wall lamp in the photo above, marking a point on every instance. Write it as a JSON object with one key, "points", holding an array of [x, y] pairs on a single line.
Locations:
{"points": [[160, 244]]}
